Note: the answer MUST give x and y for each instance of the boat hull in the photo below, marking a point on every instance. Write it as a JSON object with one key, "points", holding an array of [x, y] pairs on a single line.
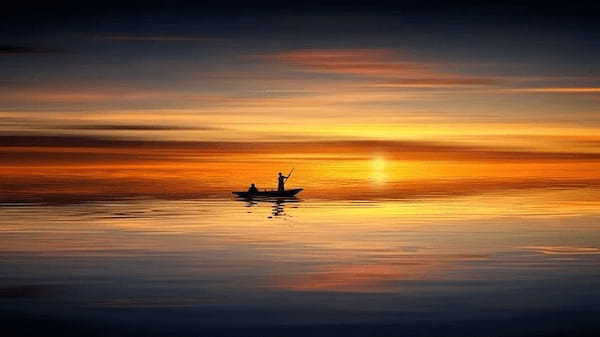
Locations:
{"points": [[269, 194]]}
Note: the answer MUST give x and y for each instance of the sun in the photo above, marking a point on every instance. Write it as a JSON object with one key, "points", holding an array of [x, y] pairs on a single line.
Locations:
{"points": [[378, 170]]}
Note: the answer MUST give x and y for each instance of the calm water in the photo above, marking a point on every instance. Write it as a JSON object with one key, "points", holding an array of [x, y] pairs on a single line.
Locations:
{"points": [[516, 263]]}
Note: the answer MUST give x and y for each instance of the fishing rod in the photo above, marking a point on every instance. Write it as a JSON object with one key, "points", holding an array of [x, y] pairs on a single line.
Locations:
{"points": [[289, 175]]}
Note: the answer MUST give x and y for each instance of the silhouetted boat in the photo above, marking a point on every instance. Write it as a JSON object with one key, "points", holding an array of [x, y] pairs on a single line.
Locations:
{"points": [[286, 193]]}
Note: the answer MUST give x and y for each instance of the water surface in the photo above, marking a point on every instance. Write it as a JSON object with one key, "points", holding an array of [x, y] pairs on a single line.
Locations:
{"points": [[511, 263]]}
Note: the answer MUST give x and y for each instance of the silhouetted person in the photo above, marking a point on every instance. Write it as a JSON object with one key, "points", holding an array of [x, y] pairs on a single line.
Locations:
{"points": [[281, 182], [252, 189]]}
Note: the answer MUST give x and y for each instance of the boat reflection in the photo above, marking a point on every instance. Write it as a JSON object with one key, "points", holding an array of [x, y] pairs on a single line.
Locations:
{"points": [[278, 204]]}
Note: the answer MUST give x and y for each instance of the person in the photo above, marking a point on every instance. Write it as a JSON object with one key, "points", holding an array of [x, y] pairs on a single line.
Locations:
{"points": [[252, 189], [281, 182]]}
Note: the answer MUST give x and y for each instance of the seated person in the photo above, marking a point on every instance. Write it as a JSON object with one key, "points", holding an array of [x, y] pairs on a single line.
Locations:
{"points": [[253, 189]]}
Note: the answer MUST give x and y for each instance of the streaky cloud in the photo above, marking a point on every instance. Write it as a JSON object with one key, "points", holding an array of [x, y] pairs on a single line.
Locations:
{"points": [[559, 90], [388, 64], [366, 62], [135, 127], [399, 150], [426, 82], [19, 50], [159, 38], [564, 250]]}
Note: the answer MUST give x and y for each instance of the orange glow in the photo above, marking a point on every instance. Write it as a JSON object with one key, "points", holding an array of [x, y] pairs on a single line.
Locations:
{"points": [[356, 278], [565, 90], [324, 169]]}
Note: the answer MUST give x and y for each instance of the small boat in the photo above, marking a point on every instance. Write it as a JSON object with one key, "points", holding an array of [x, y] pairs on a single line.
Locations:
{"points": [[267, 193]]}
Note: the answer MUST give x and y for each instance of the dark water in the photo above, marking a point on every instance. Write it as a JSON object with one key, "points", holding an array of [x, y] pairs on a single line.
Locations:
{"points": [[514, 264]]}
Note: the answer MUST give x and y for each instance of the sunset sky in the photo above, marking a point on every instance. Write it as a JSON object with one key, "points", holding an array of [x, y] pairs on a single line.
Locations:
{"points": [[171, 98]]}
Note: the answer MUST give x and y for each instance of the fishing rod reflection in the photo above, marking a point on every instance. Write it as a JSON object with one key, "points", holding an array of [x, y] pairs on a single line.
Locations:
{"points": [[278, 205]]}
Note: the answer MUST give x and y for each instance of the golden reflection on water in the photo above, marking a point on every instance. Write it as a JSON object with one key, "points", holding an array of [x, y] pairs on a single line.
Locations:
{"points": [[314, 244]]}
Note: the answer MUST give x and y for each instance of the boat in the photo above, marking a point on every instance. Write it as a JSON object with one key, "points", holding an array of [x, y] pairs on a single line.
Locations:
{"points": [[269, 193]]}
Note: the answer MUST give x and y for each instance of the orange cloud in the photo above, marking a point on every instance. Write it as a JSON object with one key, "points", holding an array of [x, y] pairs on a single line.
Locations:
{"points": [[564, 250], [379, 62], [563, 90], [375, 63], [434, 82], [399, 150], [96, 95]]}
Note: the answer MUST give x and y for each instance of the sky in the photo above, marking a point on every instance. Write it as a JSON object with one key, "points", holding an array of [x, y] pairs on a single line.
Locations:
{"points": [[159, 97]]}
